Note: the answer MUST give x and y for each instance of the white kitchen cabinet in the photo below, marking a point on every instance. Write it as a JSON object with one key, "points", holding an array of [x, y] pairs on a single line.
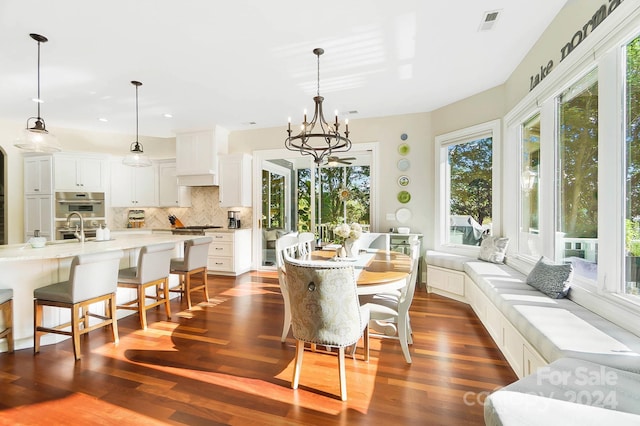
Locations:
{"points": [[38, 214], [38, 177], [230, 252], [197, 156], [170, 194], [80, 172], [133, 186], [235, 180]]}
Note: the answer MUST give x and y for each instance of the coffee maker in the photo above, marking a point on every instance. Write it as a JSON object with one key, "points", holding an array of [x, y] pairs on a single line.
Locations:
{"points": [[234, 219]]}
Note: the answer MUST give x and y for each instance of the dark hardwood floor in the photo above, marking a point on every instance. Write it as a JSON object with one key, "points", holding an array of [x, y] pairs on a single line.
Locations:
{"points": [[223, 363]]}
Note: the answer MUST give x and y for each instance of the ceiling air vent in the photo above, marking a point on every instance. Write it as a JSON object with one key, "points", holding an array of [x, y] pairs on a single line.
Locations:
{"points": [[489, 19]]}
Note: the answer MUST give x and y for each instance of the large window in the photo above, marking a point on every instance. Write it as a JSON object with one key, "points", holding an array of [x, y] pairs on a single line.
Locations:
{"points": [[577, 176], [632, 171], [466, 184], [530, 243]]}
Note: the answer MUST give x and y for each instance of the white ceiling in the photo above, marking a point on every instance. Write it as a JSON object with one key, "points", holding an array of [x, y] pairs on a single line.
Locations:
{"points": [[230, 63]]}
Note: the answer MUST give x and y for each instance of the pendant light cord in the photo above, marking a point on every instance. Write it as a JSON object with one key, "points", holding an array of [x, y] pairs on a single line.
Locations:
{"points": [[136, 115], [39, 101]]}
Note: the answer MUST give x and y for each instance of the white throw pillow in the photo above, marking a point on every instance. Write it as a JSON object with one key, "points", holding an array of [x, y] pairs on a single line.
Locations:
{"points": [[493, 249]]}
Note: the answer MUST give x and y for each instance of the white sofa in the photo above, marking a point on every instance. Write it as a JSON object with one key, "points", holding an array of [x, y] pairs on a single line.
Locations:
{"points": [[531, 329]]}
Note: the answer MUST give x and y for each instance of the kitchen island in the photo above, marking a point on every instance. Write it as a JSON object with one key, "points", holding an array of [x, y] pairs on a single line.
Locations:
{"points": [[24, 269]]}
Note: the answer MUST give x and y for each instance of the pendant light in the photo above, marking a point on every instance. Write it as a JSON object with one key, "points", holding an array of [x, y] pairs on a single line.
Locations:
{"points": [[37, 138], [136, 157]]}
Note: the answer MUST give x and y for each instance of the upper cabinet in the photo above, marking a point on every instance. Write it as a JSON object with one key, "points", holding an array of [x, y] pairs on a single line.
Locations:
{"points": [[235, 180], [133, 186], [38, 178], [80, 172], [197, 156], [169, 193]]}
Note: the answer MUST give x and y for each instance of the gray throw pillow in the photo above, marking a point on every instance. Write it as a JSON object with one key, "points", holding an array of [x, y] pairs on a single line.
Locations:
{"points": [[492, 249], [551, 279]]}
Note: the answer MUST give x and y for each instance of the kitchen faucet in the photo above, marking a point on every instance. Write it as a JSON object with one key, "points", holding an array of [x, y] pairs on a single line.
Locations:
{"points": [[79, 236]]}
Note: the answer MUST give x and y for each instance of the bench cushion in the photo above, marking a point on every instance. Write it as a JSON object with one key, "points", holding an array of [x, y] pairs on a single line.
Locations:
{"points": [[557, 328], [446, 260]]}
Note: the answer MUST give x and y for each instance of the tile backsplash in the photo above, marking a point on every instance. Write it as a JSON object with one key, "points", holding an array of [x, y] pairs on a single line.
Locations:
{"points": [[204, 210]]}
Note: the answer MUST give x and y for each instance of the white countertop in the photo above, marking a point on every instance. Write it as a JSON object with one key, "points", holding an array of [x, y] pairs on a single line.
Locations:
{"points": [[16, 252]]}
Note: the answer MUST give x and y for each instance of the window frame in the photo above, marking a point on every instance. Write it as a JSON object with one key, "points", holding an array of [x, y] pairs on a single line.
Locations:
{"points": [[442, 143], [604, 52]]}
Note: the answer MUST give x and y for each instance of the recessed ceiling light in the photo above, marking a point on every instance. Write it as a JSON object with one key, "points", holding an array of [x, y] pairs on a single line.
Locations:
{"points": [[104, 120], [167, 115]]}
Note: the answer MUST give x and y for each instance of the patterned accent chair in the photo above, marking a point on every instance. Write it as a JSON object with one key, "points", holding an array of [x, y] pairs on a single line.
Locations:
{"points": [[325, 311]]}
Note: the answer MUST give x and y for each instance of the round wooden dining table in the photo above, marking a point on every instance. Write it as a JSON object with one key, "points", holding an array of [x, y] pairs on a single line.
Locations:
{"points": [[378, 272]]}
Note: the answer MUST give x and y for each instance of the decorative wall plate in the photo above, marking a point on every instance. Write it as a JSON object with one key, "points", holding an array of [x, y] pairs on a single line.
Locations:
{"points": [[404, 136], [403, 215], [403, 149], [403, 165], [404, 197], [403, 180]]}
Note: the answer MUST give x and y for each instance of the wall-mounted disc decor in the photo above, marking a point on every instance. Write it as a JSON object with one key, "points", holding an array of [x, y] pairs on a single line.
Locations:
{"points": [[403, 180], [403, 149], [404, 197], [403, 215], [403, 165], [404, 136]]}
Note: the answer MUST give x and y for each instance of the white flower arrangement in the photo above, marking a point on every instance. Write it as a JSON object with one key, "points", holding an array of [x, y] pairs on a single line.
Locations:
{"points": [[344, 231]]}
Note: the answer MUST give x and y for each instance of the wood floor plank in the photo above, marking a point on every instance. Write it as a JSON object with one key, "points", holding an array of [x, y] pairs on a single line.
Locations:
{"points": [[222, 362]]}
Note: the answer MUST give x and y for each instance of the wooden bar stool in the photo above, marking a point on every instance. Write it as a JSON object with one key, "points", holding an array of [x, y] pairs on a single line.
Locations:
{"points": [[196, 252], [6, 306], [92, 279], [152, 270]]}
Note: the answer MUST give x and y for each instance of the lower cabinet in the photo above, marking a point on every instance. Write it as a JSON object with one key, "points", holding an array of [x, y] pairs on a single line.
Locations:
{"points": [[230, 252], [445, 282]]}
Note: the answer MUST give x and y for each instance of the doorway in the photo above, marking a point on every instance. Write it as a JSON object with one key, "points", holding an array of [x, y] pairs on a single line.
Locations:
{"points": [[295, 195]]}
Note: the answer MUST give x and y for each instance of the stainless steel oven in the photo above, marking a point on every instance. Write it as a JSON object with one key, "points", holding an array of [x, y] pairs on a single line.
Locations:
{"points": [[90, 205]]}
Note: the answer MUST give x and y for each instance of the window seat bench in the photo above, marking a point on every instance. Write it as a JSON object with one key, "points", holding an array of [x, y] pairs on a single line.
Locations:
{"points": [[532, 330]]}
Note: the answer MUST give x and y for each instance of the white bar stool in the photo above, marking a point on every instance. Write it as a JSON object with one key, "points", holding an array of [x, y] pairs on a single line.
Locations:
{"points": [[92, 278], [152, 270], [196, 252]]}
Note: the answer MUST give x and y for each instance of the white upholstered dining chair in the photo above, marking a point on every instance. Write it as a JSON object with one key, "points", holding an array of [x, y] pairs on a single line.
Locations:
{"points": [[307, 243], [325, 311], [390, 311]]}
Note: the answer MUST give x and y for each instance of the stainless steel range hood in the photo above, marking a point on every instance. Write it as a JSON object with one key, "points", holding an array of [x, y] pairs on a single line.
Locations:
{"points": [[197, 156]]}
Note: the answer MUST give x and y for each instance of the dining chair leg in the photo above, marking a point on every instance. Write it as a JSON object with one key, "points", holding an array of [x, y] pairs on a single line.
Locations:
{"points": [[342, 373], [142, 297], [165, 291], [365, 337], [205, 279], [187, 288], [114, 318], [298, 364], [404, 343], [7, 314], [37, 322], [75, 330]]}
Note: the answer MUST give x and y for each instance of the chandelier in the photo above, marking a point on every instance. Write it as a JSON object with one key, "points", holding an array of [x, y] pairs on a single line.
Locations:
{"points": [[37, 138], [136, 157], [326, 139]]}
